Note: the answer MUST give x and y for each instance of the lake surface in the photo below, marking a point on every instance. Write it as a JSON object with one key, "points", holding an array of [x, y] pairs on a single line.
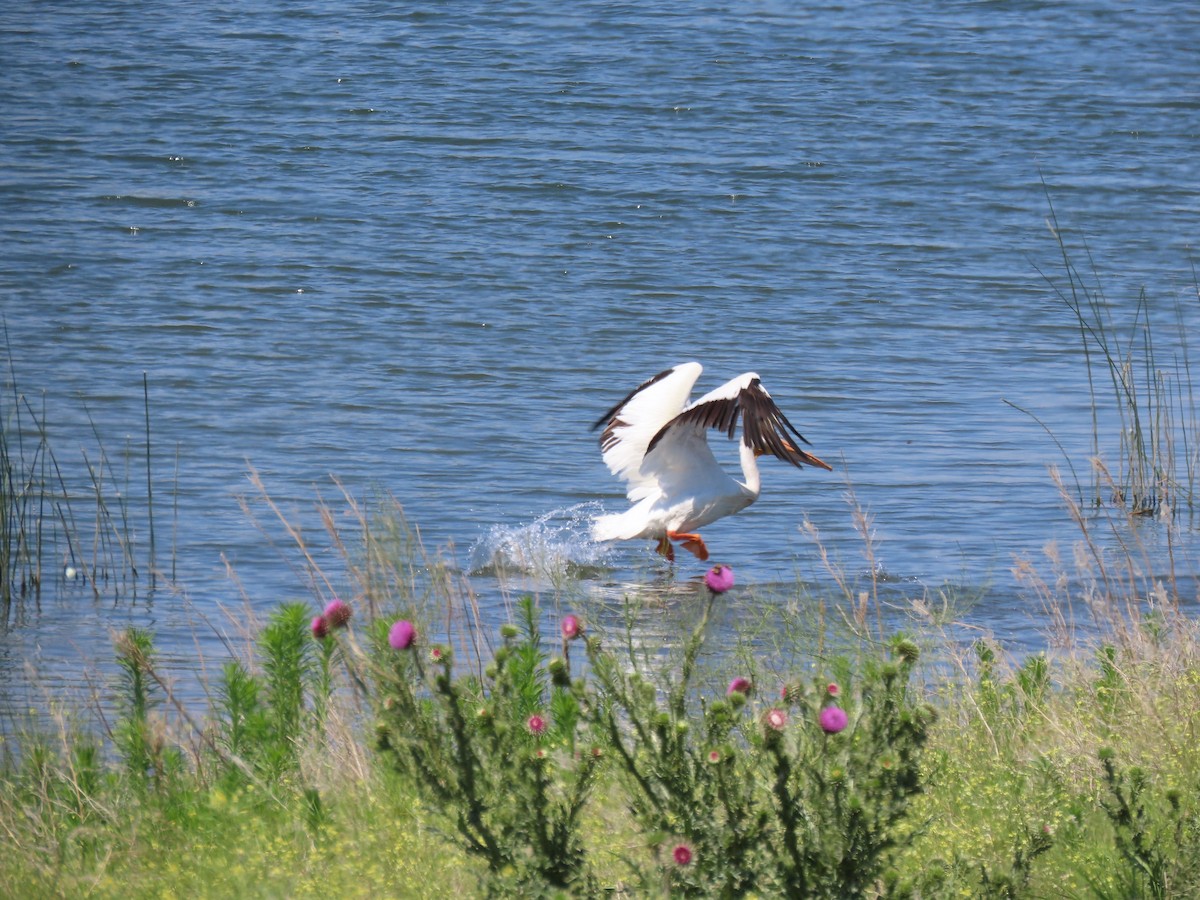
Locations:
{"points": [[421, 252]]}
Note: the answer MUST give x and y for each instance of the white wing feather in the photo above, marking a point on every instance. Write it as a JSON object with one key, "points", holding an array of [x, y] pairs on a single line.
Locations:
{"points": [[682, 464], [635, 422]]}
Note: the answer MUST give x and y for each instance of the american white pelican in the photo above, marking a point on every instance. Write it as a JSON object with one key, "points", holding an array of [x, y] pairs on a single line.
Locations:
{"points": [[657, 444]]}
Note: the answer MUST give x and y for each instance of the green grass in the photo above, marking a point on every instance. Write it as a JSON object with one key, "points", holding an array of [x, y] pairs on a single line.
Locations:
{"points": [[1013, 807], [1018, 791], [203, 841]]}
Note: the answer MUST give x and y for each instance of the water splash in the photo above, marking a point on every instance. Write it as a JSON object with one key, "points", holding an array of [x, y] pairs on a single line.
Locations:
{"points": [[553, 546]]}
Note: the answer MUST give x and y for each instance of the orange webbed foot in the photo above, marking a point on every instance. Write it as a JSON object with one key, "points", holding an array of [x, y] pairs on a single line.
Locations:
{"points": [[693, 543]]}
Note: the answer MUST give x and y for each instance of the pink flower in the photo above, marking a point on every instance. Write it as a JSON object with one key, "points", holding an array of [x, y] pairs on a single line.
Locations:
{"points": [[833, 719], [714, 756], [682, 854], [739, 685], [402, 635], [775, 718], [435, 654], [719, 579], [320, 628], [537, 725], [337, 613], [571, 628], [832, 689]]}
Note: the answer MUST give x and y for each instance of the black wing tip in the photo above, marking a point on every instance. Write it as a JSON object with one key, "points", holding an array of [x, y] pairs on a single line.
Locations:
{"points": [[768, 419], [609, 416]]}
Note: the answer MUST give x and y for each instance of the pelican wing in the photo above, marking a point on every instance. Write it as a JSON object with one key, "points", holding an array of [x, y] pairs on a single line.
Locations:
{"points": [[765, 429], [633, 423]]}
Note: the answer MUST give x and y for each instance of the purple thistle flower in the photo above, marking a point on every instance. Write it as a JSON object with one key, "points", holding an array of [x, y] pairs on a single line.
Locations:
{"points": [[832, 689], [775, 719], [719, 579], [739, 685], [402, 635], [320, 628], [833, 719], [337, 613], [537, 725], [571, 628], [682, 854]]}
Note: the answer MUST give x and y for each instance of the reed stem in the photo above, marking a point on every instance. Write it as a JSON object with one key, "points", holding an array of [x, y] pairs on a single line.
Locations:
{"points": [[149, 479]]}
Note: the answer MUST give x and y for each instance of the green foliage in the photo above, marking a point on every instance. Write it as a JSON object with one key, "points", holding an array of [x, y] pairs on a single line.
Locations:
{"points": [[685, 786], [141, 746], [495, 757], [288, 668], [1109, 685], [643, 781], [1012, 883], [1155, 837], [240, 718], [1014, 702], [260, 720], [767, 802]]}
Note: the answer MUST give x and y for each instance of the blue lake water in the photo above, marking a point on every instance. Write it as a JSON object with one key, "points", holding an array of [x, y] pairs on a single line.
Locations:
{"points": [[422, 251]]}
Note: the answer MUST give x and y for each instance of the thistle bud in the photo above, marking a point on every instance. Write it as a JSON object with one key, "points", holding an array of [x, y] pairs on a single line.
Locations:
{"points": [[559, 674]]}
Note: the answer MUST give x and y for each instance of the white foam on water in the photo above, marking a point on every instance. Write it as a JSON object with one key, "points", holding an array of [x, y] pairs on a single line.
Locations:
{"points": [[553, 546]]}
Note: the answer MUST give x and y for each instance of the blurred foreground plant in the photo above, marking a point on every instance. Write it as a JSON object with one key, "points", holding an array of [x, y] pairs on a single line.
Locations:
{"points": [[1156, 841]]}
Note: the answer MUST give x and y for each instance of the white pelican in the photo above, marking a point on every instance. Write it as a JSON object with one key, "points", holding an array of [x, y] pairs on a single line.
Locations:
{"points": [[657, 444]]}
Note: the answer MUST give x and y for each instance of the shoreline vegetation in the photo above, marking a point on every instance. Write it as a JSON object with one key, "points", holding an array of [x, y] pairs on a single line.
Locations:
{"points": [[382, 739], [394, 744]]}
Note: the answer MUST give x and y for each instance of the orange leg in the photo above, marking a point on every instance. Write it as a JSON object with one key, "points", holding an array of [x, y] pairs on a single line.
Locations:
{"points": [[693, 543]]}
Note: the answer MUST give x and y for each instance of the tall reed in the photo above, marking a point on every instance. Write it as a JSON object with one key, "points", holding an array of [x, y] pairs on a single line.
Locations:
{"points": [[50, 530], [1152, 398]]}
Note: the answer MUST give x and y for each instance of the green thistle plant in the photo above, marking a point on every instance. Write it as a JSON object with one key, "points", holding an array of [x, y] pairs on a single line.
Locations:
{"points": [[135, 651], [498, 758], [804, 800], [260, 719], [684, 782], [1136, 832]]}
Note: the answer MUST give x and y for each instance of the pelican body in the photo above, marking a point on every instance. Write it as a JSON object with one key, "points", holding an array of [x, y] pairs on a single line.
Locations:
{"points": [[657, 443]]}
